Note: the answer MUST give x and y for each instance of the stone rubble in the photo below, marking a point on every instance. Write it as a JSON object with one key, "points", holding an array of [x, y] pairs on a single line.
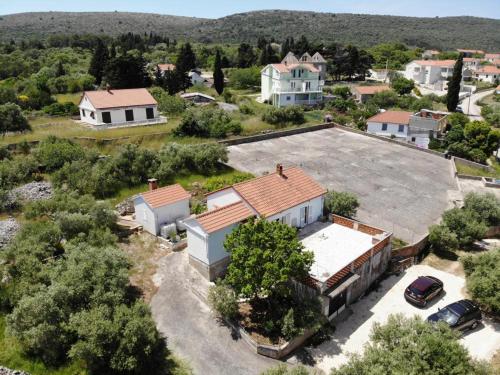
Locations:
{"points": [[8, 229], [6, 371], [126, 207], [33, 191]]}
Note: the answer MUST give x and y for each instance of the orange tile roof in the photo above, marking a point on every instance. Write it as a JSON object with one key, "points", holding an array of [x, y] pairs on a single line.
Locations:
{"points": [[222, 217], [272, 194], [488, 69], [103, 99], [165, 195], [442, 63], [493, 56], [165, 67], [283, 68], [370, 90], [393, 117]]}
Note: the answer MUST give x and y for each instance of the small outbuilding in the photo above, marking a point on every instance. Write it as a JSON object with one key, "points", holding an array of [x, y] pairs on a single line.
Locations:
{"points": [[160, 206]]}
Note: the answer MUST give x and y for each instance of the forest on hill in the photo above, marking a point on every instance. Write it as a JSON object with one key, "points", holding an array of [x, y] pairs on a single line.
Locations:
{"points": [[361, 30]]}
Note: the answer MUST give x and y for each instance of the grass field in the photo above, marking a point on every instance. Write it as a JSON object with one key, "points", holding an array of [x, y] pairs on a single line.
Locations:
{"points": [[473, 171], [73, 98]]}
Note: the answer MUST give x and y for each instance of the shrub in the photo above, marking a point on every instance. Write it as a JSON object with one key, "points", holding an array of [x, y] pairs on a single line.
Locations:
{"points": [[466, 224], [343, 91], [341, 203], [402, 85], [12, 119], [60, 109], [282, 116], [53, 152], [442, 238], [207, 122], [218, 182], [246, 109], [482, 274], [486, 206], [245, 78], [288, 328], [341, 104], [17, 170], [222, 300], [169, 104]]}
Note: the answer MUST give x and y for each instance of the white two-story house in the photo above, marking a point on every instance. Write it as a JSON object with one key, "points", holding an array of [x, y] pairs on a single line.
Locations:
{"points": [[292, 82], [431, 73], [289, 195]]}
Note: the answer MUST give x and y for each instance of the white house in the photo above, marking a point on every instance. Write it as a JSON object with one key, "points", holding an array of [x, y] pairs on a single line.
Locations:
{"points": [[160, 206], [118, 107], [472, 63], [488, 73], [430, 73], [407, 126], [288, 195], [492, 57], [294, 82], [196, 77]]}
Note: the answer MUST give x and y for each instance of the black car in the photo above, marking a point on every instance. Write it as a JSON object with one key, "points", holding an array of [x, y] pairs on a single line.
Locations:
{"points": [[460, 315], [423, 289]]}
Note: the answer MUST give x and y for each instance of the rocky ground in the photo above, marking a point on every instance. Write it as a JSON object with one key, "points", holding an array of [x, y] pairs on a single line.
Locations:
{"points": [[8, 229], [33, 191], [6, 371]]}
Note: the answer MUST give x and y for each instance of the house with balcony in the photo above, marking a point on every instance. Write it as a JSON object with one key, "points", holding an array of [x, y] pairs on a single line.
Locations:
{"points": [[488, 73], [433, 74], [294, 81], [105, 108]]}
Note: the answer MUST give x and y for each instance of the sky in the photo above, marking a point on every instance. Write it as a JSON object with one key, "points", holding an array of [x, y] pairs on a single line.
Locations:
{"points": [[220, 8]]}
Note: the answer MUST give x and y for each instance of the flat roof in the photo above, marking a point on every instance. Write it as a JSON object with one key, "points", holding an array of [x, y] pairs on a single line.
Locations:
{"points": [[334, 247]]}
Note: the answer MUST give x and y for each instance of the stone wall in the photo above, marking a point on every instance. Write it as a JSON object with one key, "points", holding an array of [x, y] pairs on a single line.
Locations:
{"points": [[413, 249]]}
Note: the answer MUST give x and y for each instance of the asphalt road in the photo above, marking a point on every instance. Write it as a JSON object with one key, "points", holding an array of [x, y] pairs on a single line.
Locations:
{"points": [[400, 189], [473, 110], [191, 330]]}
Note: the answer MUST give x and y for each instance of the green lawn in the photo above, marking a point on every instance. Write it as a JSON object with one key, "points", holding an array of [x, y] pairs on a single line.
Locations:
{"points": [[73, 98], [12, 357], [473, 171]]}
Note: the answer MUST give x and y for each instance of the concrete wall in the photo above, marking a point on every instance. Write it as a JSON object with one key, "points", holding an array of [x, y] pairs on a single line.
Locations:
{"points": [[145, 216], [197, 242], [294, 215], [392, 129], [152, 219]]}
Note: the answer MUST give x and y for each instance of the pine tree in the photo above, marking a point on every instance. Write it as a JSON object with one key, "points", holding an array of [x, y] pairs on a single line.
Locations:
{"points": [[170, 82], [218, 74], [454, 85], [264, 58], [60, 69], [99, 61], [186, 59]]}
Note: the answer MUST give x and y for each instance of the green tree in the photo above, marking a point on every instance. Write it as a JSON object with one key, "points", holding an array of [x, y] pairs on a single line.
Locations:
{"points": [[218, 74], [53, 152], [12, 119], [341, 203], [486, 206], [402, 85], [99, 60], [186, 59], [466, 224], [442, 238], [246, 56], [397, 347], [264, 256], [126, 72], [223, 300], [7, 95], [452, 96], [482, 273]]}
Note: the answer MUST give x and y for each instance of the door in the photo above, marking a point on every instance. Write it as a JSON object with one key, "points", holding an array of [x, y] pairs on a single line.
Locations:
{"points": [[106, 117], [337, 303], [129, 115], [150, 113]]}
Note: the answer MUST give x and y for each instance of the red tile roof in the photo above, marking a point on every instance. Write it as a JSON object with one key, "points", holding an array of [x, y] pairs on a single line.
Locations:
{"points": [[282, 68], [165, 195], [492, 56], [103, 99], [442, 63], [222, 217], [370, 90], [165, 67], [393, 117], [272, 194], [488, 69]]}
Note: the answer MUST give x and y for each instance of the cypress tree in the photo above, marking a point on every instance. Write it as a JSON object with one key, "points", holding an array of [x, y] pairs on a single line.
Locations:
{"points": [[218, 74], [454, 85], [99, 61]]}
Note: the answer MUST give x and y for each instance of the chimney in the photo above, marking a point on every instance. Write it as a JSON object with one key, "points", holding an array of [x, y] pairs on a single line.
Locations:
{"points": [[153, 184], [279, 169]]}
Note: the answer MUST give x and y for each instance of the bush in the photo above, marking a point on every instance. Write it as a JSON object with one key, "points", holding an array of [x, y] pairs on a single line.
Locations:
{"points": [[482, 274], [341, 104], [282, 116], [222, 300], [168, 104], [245, 78], [246, 109], [286, 370], [60, 109], [486, 206], [466, 224], [341, 203], [288, 328], [17, 170], [12, 119], [53, 152], [218, 182], [442, 238], [402, 85], [207, 122], [343, 91]]}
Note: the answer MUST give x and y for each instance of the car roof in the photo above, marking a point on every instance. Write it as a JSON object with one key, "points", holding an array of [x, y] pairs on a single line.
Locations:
{"points": [[462, 307], [422, 283]]}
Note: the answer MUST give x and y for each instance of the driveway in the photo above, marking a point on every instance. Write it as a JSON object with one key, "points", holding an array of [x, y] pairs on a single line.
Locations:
{"points": [[400, 189], [353, 332], [471, 108], [191, 330]]}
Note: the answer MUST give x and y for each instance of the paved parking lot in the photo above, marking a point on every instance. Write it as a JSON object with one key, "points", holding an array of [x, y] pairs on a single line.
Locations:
{"points": [[352, 333], [400, 189]]}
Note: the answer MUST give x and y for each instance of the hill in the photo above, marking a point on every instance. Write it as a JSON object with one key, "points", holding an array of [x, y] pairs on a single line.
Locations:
{"points": [[359, 29]]}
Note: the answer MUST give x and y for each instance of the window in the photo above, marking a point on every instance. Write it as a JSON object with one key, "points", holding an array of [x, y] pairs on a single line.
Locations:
{"points": [[150, 113], [83, 113], [92, 115], [288, 98], [106, 117], [294, 73], [292, 84], [384, 127], [129, 115], [308, 85], [413, 139], [401, 128]]}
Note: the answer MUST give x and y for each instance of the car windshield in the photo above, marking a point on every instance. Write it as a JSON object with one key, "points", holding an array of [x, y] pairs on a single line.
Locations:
{"points": [[447, 315]]}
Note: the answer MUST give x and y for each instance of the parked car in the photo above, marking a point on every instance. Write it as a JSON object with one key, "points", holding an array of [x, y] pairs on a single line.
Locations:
{"points": [[460, 315], [423, 290]]}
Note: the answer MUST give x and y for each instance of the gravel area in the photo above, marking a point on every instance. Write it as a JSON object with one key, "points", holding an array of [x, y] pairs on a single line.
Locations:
{"points": [[33, 191], [6, 371], [8, 229]]}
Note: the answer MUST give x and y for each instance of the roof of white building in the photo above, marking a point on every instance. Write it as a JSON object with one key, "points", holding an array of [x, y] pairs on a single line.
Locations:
{"points": [[166, 67], [334, 247], [219, 218], [392, 117], [488, 69], [283, 68], [165, 195], [441, 63], [190, 95], [370, 90], [105, 99], [275, 192]]}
